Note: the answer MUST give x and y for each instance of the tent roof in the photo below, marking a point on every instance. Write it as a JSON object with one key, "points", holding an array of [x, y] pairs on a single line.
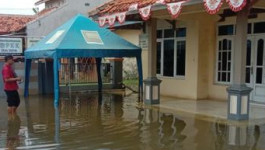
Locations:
{"points": [[81, 37]]}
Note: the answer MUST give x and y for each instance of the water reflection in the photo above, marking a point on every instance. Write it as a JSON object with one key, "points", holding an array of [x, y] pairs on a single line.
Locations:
{"points": [[14, 123], [236, 137], [112, 121]]}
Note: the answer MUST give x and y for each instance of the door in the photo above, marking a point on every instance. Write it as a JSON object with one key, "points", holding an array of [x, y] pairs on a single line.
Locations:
{"points": [[259, 70], [255, 68]]}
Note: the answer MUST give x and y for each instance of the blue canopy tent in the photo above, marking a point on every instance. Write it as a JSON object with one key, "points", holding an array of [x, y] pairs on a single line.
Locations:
{"points": [[80, 37]]}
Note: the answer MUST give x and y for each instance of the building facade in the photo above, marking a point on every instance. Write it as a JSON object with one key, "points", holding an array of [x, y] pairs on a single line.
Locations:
{"points": [[196, 55]]}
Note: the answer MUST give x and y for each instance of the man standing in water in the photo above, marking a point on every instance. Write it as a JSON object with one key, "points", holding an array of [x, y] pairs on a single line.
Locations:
{"points": [[10, 84]]}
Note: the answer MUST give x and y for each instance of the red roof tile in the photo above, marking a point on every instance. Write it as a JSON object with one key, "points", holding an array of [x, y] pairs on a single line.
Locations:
{"points": [[123, 5], [13, 23]]}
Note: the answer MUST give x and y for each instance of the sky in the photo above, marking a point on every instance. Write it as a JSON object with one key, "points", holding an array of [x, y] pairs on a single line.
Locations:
{"points": [[23, 7]]}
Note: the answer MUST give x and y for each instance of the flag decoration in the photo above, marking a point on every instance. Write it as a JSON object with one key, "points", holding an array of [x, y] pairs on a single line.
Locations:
{"points": [[121, 17], [236, 5], [112, 19], [102, 21], [160, 2], [133, 7], [174, 9], [145, 12], [213, 6]]}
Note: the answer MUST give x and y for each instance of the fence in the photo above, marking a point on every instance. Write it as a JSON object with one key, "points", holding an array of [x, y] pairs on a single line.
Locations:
{"points": [[83, 73]]}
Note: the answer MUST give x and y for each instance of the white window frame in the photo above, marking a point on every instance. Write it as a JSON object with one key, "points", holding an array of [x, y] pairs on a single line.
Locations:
{"points": [[176, 39], [221, 38]]}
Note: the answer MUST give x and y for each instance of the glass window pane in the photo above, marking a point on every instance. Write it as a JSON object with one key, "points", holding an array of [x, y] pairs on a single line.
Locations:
{"points": [[223, 77], [228, 77], [220, 56], [159, 33], [220, 45], [225, 44], [158, 58], [229, 66], [229, 56], [224, 61], [248, 62], [247, 75], [168, 33], [259, 27], [226, 30], [181, 32], [260, 52], [259, 76], [169, 58], [181, 58]]}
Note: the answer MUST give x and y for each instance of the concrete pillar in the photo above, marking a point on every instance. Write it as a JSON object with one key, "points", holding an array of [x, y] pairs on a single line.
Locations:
{"points": [[152, 84], [116, 74], [238, 92]]}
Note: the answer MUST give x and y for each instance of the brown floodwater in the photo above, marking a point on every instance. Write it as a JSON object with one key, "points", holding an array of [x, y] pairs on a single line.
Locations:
{"points": [[116, 122]]}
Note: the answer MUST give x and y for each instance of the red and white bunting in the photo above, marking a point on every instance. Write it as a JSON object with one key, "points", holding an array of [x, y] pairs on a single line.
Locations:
{"points": [[174, 9], [236, 5], [102, 21], [212, 6], [121, 17], [145, 12], [160, 2], [111, 19], [133, 7]]}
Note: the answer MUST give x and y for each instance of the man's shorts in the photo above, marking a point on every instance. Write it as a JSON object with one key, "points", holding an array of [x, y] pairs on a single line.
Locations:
{"points": [[13, 99]]}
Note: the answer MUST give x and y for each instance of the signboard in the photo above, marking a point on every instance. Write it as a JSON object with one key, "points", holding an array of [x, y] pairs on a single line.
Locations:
{"points": [[11, 46], [143, 41], [32, 40]]}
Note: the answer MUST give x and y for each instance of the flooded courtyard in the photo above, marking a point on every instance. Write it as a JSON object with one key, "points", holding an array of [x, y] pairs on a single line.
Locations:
{"points": [[116, 122]]}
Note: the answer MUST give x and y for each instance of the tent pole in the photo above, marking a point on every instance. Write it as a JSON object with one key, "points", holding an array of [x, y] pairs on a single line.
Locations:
{"points": [[69, 77], [140, 74], [56, 81], [98, 62], [27, 74]]}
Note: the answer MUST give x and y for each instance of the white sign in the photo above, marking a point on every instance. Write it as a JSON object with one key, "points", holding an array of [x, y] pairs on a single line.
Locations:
{"points": [[143, 41], [11, 46], [55, 37], [32, 40], [92, 37]]}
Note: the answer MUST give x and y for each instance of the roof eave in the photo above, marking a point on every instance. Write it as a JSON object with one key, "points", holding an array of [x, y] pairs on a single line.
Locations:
{"points": [[95, 13]]}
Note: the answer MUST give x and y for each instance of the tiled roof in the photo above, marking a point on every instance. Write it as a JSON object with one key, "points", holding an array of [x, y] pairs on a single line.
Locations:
{"points": [[13, 23], [41, 1], [123, 5]]}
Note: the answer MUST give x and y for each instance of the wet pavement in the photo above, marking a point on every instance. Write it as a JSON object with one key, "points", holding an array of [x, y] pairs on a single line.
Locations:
{"points": [[113, 121]]}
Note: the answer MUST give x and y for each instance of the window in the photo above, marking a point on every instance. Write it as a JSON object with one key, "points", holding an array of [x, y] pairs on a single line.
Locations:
{"points": [[224, 63], [171, 52], [226, 30], [259, 27]]}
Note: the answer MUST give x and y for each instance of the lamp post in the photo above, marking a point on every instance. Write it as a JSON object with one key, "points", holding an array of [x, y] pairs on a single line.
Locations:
{"points": [[152, 90], [238, 102]]}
